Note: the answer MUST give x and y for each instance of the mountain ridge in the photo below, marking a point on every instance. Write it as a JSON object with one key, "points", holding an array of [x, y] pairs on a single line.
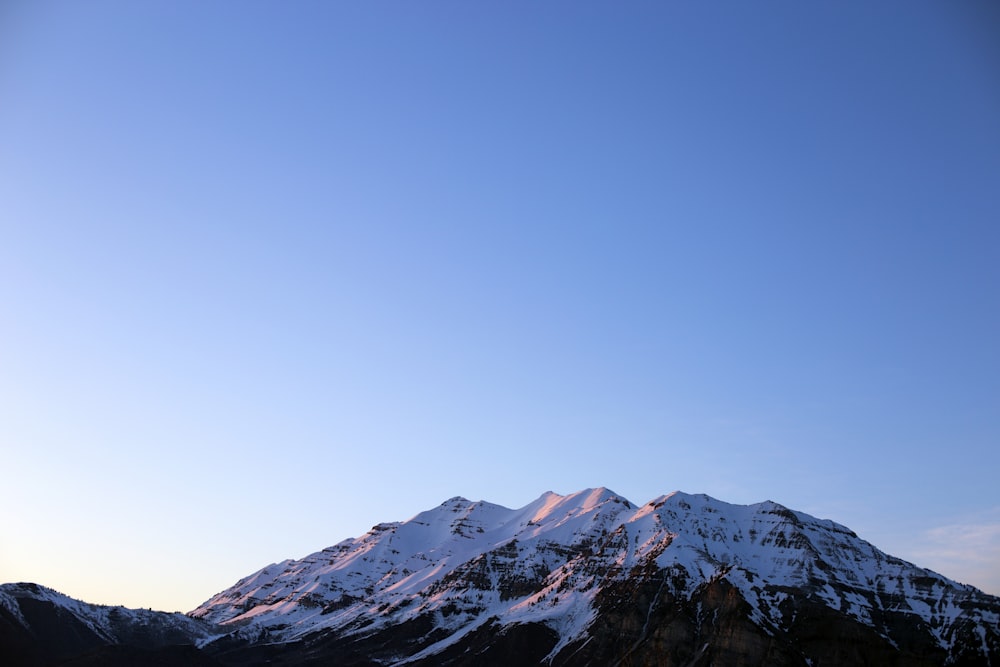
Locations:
{"points": [[589, 578]]}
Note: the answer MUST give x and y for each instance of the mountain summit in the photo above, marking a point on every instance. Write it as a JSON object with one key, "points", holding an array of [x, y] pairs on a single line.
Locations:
{"points": [[592, 579]]}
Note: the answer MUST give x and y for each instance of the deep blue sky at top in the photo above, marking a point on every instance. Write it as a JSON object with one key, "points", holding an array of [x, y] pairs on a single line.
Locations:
{"points": [[272, 272]]}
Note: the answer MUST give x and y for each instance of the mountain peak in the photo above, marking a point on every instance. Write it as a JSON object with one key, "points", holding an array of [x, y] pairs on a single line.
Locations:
{"points": [[564, 567], [571, 579]]}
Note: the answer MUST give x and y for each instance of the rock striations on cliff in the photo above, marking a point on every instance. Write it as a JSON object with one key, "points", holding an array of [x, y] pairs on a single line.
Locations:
{"points": [[591, 579]]}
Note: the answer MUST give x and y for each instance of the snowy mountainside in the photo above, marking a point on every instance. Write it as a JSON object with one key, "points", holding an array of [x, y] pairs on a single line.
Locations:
{"points": [[586, 579], [396, 563], [468, 570]]}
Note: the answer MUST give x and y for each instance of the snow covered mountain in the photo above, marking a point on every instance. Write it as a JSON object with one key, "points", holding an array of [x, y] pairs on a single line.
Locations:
{"points": [[568, 564], [591, 579]]}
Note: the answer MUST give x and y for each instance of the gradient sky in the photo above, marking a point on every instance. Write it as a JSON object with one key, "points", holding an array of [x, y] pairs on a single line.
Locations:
{"points": [[271, 273]]}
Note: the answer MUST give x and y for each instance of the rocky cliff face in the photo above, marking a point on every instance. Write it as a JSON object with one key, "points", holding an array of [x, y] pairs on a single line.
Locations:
{"points": [[591, 579]]}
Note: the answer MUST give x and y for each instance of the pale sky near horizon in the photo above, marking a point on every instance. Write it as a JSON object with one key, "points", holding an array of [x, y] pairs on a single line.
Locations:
{"points": [[271, 273]]}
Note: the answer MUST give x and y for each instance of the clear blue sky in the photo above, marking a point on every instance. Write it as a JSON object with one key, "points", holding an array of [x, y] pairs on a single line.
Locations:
{"points": [[272, 272]]}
